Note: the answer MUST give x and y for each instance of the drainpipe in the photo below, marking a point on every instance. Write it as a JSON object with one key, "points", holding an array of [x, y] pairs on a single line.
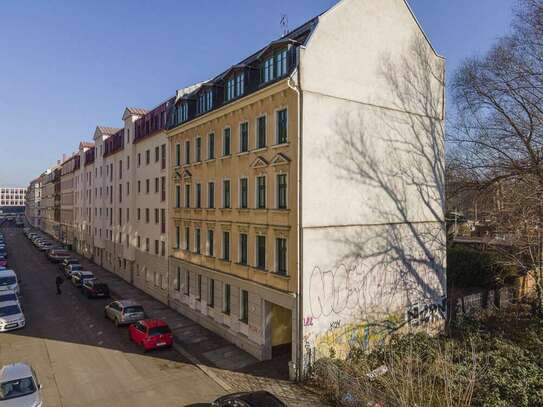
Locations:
{"points": [[299, 298]]}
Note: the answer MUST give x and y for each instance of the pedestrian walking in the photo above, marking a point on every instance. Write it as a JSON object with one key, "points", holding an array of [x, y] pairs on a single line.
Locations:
{"points": [[58, 282]]}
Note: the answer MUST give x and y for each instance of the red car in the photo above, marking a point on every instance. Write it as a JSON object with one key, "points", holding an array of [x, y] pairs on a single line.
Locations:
{"points": [[151, 334]]}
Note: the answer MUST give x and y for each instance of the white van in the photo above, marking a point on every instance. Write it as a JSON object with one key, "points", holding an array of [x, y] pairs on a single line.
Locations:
{"points": [[9, 281]]}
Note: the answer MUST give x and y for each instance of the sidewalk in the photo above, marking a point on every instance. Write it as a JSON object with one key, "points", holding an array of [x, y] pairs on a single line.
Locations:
{"points": [[230, 367]]}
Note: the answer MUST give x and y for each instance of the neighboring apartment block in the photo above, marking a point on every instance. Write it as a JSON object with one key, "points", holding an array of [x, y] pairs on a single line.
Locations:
{"points": [[67, 199], [12, 199], [33, 202], [292, 203]]}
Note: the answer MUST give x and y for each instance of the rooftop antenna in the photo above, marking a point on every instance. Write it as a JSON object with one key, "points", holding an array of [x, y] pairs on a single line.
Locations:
{"points": [[284, 24]]}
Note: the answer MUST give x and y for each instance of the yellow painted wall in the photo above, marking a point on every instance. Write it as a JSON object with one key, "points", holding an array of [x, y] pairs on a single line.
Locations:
{"points": [[281, 323]]}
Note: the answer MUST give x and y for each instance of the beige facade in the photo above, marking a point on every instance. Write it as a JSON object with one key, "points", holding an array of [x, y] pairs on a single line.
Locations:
{"points": [[33, 202], [222, 235], [67, 199]]}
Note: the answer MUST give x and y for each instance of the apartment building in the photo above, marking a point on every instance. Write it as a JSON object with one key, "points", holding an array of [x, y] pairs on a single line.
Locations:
{"points": [[67, 199], [12, 199], [33, 202], [284, 239], [85, 200], [49, 219]]}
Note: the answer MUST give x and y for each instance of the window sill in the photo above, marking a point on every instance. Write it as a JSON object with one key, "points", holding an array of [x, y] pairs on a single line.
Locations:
{"points": [[225, 157], [283, 276], [197, 163], [209, 160], [256, 150], [246, 322], [260, 269], [280, 145]]}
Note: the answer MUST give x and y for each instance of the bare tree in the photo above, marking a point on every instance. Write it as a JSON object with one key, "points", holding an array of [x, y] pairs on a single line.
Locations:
{"points": [[498, 134]]}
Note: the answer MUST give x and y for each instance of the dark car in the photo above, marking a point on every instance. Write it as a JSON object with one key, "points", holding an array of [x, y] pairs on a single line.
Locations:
{"points": [[94, 289], [58, 256], [252, 399]]}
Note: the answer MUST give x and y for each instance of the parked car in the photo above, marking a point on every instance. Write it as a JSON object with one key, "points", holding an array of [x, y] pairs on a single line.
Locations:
{"points": [[57, 256], [72, 268], [94, 288], [9, 281], [45, 246], [124, 312], [66, 262], [11, 316], [19, 386], [6, 296], [248, 399], [79, 277], [3, 261], [151, 334]]}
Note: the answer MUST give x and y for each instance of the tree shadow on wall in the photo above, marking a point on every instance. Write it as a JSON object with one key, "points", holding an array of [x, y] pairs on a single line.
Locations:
{"points": [[392, 160]]}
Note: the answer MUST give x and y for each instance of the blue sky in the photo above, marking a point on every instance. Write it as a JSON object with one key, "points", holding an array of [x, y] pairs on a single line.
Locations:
{"points": [[69, 65]]}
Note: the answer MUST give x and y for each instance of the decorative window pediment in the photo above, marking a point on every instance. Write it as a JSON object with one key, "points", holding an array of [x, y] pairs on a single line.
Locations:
{"points": [[186, 174], [280, 159], [259, 162]]}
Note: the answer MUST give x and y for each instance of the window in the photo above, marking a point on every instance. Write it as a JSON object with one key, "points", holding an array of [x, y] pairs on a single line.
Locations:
{"points": [[147, 157], [240, 84], [178, 154], [177, 237], [147, 186], [146, 244], [187, 196], [243, 248], [198, 196], [162, 220], [139, 214], [178, 196], [178, 280], [244, 307], [226, 299], [226, 142], [281, 256], [205, 101], [183, 112], [157, 216], [120, 169], [187, 152], [244, 137], [211, 146], [261, 132], [210, 195], [163, 189], [266, 71], [198, 149], [156, 246], [197, 241], [243, 192], [187, 238], [187, 282], [157, 154], [261, 192], [261, 252], [139, 160], [199, 286], [282, 126], [230, 89], [226, 193], [211, 293], [156, 185], [281, 63], [147, 215], [139, 187], [163, 248], [127, 188], [226, 246], [163, 156], [138, 242], [210, 243], [282, 191]]}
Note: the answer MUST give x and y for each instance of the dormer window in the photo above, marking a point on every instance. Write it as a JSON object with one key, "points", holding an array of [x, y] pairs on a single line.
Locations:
{"points": [[274, 66], [235, 87], [182, 112], [205, 101]]}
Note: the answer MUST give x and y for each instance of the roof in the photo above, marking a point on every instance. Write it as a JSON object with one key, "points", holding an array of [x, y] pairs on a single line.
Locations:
{"points": [[107, 130], [7, 273], [153, 323], [134, 111], [86, 144], [15, 371]]}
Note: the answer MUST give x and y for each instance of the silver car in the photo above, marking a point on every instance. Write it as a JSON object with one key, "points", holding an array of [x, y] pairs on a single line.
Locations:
{"points": [[124, 312], [19, 386], [11, 316]]}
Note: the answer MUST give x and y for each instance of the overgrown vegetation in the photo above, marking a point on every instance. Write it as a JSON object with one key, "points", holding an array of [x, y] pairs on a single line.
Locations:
{"points": [[493, 360]]}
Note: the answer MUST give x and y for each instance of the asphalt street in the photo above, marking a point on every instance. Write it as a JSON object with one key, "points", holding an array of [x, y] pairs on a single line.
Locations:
{"points": [[80, 357]]}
